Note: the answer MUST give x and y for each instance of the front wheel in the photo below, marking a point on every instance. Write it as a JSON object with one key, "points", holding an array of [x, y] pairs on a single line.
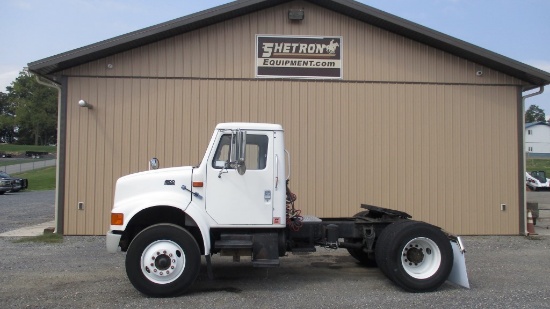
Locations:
{"points": [[163, 260], [415, 255]]}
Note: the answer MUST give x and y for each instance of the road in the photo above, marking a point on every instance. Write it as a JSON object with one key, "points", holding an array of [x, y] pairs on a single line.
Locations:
{"points": [[29, 166]]}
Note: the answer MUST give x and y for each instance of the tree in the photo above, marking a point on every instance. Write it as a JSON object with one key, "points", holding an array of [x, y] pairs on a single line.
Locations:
{"points": [[7, 119], [534, 114], [35, 108]]}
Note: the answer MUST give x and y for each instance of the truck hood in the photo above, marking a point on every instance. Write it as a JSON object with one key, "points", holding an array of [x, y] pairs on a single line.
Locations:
{"points": [[167, 181]]}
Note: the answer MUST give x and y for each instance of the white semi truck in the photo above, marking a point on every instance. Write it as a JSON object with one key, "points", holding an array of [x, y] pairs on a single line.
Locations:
{"points": [[236, 202]]}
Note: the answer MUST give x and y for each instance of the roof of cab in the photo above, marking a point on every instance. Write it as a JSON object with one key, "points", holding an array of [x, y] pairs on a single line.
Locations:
{"points": [[249, 126]]}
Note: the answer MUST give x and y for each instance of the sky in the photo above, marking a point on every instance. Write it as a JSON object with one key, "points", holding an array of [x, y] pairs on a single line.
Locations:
{"points": [[31, 30]]}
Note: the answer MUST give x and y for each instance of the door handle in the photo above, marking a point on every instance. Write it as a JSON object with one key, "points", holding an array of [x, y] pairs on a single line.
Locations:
{"points": [[276, 172]]}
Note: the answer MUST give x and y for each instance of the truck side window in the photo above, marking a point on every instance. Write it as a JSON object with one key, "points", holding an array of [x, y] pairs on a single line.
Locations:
{"points": [[256, 151]]}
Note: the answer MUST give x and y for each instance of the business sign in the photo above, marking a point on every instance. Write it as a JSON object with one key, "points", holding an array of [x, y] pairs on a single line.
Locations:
{"points": [[298, 56]]}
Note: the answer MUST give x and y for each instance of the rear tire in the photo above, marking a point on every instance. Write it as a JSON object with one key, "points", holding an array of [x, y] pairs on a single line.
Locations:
{"points": [[416, 256], [163, 260]]}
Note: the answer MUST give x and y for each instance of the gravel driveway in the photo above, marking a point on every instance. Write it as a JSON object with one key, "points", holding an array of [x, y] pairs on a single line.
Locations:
{"points": [[25, 208], [504, 271]]}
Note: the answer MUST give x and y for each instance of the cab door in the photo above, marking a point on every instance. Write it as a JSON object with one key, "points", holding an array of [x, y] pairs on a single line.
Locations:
{"points": [[234, 199]]}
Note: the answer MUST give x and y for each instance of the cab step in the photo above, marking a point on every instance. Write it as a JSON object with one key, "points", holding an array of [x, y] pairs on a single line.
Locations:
{"points": [[234, 241], [299, 250], [266, 263]]}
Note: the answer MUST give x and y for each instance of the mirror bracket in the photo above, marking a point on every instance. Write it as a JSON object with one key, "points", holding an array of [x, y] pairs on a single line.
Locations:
{"points": [[238, 151]]}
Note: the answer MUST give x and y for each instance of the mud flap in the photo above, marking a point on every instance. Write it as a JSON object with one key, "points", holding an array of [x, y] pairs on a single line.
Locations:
{"points": [[458, 274]]}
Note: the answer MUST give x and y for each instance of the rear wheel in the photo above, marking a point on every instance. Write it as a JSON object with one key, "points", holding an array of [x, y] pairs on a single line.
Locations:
{"points": [[415, 255], [163, 260]]}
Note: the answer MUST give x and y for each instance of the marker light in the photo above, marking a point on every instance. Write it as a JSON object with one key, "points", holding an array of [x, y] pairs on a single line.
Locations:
{"points": [[117, 219]]}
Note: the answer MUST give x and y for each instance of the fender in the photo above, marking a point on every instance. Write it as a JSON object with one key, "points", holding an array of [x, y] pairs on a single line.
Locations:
{"points": [[177, 199], [132, 206], [198, 215]]}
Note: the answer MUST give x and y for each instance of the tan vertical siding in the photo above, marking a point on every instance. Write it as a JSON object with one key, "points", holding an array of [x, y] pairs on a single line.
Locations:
{"points": [[410, 127], [446, 154]]}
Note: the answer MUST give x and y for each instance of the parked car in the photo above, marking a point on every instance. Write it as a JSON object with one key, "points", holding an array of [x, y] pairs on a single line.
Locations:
{"points": [[537, 180], [5, 185], [11, 184]]}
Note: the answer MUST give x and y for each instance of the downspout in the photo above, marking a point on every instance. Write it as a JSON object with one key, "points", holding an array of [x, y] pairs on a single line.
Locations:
{"points": [[524, 209], [58, 88]]}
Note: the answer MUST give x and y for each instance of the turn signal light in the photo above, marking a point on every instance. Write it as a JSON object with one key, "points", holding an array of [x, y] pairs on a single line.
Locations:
{"points": [[117, 219], [197, 184]]}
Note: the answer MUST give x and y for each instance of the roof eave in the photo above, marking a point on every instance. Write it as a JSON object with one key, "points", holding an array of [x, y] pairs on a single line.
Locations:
{"points": [[531, 75], [436, 39], [56, 63]]}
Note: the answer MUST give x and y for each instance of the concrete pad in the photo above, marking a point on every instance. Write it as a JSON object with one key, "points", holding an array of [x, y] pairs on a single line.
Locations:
{"points": [[35, 230]]}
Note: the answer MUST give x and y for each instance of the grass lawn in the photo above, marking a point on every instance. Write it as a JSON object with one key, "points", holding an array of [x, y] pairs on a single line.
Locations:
{"points": [[11, 148], [538, 165], [49, 238], [39, 179]]}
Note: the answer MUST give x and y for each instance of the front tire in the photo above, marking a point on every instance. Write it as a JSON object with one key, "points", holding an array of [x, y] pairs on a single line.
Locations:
{"points": [[163, 260], [416, 256]]}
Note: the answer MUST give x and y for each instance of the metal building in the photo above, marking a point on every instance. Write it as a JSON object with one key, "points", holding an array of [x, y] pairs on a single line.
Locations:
{"points": [[376, 110]]}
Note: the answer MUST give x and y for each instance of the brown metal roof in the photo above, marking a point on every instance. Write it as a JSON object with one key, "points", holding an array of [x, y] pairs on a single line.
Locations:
{"points": [[49, 66]]}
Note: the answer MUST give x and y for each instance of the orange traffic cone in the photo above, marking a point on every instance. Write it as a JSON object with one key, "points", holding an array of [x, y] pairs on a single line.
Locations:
{"points": [[530, 225]]}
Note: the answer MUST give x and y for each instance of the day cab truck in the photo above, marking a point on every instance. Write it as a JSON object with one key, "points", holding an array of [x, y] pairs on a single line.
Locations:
{"points": [[236, 202]]}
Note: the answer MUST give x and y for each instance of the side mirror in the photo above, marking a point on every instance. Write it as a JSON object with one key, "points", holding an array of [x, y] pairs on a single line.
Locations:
{"points": [[154, 164], [238, 151]]}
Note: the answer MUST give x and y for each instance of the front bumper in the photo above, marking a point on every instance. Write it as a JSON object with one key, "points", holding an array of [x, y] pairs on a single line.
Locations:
{"points": [[112, 242], [5, 185]]}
